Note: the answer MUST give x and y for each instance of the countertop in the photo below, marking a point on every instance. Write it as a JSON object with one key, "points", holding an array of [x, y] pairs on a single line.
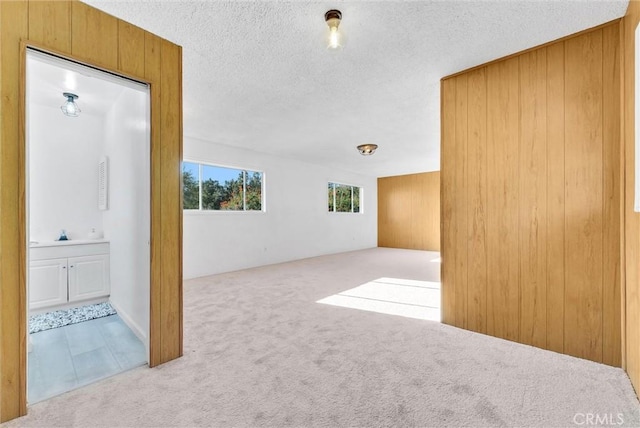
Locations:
{"points": [[34, 244]]}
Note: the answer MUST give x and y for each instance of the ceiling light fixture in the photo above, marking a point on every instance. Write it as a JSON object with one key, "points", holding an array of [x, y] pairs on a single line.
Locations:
{"points": [[333, 17], [70, 108], [367, 149]]}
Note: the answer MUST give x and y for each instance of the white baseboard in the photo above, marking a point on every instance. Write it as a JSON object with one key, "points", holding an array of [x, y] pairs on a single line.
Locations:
{"points": [[135, 328]]}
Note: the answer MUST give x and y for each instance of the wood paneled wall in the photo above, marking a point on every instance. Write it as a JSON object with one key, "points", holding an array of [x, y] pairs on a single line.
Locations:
{"points": [[631, 224], [531, 197], [409, 211], [74, 30]]}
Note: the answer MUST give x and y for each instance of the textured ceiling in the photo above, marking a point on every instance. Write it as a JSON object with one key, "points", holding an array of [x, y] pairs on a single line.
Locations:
{"points": [[257, 74]]}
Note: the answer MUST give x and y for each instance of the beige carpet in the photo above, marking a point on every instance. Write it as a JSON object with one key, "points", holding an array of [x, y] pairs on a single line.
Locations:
{"points": [[393, 296], [259, 351]]}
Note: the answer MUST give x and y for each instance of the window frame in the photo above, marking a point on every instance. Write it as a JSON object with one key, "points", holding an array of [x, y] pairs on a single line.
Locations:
{"points": [[201, 211], [351, 186]]}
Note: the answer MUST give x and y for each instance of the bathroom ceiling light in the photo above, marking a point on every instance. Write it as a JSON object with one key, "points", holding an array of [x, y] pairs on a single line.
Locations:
{"points": [[70, 108], [333, 17], [367, 149]]}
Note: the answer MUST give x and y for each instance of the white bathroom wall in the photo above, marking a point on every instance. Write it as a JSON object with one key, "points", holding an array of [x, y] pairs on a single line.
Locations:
{"points": [[63, 173], [296, 223], [126, 222]]}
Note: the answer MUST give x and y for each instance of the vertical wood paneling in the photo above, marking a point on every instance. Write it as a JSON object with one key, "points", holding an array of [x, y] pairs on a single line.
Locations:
{"points": [[533, 198], [14, 24], [447, 200], [131, 49], [50, 22], [401, 211], [409, 211], [503, 297], [94, 35], [553, 208], [555, 197], [461, 203], [86, 34], [430, 210], [583, 196], [477, 200], [383, 216], [171, 207], [388, 200], [418, 226], [611, 299]]}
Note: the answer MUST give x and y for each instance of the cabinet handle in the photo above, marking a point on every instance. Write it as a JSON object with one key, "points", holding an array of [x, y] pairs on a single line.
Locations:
{"points": [[71, 266], [64, 267]]}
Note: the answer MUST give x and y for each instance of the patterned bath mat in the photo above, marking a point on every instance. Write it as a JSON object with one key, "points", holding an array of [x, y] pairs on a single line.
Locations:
{"points": [[64, 317]]}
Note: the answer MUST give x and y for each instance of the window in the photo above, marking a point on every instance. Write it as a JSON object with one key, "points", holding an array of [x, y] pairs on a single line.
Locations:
{"points": [[344, 198], [216, 188]]}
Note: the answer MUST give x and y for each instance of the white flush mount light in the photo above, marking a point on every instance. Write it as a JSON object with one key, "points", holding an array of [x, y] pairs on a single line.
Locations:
{"points": [[333, 18], [367, 149], [70, 108]]}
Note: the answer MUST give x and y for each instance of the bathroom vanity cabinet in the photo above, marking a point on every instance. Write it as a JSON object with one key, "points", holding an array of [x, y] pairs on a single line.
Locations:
{"points": [[67, 271]]}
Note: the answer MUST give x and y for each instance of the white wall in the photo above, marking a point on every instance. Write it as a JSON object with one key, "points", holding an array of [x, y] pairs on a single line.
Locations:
{"points": [[63, 173], [296, 223], [126, 222]]}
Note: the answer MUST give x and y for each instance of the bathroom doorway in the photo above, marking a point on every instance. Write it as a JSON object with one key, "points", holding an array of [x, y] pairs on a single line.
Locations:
{"points": [[88, 224]]}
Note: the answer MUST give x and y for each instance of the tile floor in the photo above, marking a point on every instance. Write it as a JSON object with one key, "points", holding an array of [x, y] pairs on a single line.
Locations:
{"points": [[69, 357]]}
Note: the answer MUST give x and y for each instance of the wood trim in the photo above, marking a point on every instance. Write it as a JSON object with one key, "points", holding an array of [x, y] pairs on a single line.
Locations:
{"points": [[447, 199], [623, 189], [630, 292], [14, 24], [22, 219], [171, 208], [56, 25], [28, 43], [153, 70]]}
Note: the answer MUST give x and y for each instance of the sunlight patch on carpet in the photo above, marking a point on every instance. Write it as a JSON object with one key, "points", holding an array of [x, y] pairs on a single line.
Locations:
{"points": [[393, 296]]}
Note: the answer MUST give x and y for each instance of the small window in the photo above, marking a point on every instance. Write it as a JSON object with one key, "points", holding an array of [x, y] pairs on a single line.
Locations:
{"points": [[190, 186], [217, 188], [344, 198]]}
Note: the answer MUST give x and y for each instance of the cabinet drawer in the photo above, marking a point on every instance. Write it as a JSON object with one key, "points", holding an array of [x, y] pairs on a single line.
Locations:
{"points": [[63, 251]]}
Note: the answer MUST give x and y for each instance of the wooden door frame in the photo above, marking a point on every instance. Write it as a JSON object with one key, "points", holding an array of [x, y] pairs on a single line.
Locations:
{"points": [[22, 208], [74, 30]]}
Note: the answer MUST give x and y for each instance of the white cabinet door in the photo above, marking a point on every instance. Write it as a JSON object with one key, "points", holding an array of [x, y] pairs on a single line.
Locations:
{"points": [[47, 283], [88, 277]]}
